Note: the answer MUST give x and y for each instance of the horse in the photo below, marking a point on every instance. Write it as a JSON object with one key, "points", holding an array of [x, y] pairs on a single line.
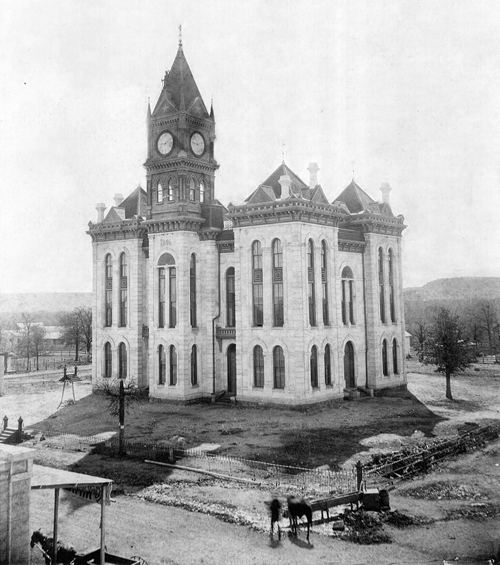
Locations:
{"points": [[65, 554], [298, 507], [275, 508]]}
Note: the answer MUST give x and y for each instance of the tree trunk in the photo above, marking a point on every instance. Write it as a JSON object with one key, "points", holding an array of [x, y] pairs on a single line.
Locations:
{"points": [[37, 353], [77, 347], [121, 416], [448, 386]]}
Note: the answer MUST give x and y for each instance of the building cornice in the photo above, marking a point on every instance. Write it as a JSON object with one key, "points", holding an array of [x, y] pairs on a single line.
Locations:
{"points": [[368, 222], [126, 229], [289, 210], [180, 164]]}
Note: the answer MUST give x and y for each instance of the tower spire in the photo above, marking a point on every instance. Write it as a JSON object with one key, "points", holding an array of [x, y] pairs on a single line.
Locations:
{"points": [[180, 36]]}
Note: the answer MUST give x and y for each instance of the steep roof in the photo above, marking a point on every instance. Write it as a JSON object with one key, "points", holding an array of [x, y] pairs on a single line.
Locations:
{"points": [[270, 189], [355, 198], [130, 204], [180, 92]]}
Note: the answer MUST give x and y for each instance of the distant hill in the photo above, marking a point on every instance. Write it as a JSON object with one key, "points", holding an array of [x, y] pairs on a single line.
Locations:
{"points": [[458, 288], [43, 301]]}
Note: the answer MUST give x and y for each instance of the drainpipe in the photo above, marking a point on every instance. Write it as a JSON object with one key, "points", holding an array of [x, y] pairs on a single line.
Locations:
{"points": [[213, 324], [365, 316]]}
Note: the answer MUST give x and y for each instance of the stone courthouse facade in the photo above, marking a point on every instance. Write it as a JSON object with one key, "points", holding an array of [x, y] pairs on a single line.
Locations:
{"points": [[287, 298]]}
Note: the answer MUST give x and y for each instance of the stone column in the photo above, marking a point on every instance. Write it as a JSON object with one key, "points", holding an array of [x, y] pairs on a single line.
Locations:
{"points": [[15, 483]]}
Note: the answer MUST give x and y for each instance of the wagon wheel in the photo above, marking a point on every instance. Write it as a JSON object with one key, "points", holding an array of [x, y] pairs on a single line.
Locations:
{"points": [[139, 560]]}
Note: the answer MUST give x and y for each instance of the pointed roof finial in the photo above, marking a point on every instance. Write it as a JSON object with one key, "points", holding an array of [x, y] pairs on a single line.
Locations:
{"points": [[352, 165], [180, 35], [283, 152]]}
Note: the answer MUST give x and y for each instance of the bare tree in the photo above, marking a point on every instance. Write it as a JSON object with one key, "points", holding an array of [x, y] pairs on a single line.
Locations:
{"points": [[25, 345], [85, 319], [446, 348], [488, 321], [37, 339], [421, 333], [72, 333]]}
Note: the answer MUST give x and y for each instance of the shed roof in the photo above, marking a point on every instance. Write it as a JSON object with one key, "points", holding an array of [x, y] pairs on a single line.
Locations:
{"points": [[47, 477]]}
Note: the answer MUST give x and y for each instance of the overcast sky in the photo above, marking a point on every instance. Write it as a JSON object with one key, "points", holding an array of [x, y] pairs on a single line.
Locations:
{"points": [[401, 92]]}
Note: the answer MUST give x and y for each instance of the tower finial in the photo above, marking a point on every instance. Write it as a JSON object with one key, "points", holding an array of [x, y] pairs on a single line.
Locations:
{"points": [[283, 151], [180, 35], [352, 165]]}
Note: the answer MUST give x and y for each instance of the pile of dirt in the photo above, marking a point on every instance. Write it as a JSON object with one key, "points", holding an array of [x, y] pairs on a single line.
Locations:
{"points": [[401, 520], [442, 490], [362, 527], [477, 511]]}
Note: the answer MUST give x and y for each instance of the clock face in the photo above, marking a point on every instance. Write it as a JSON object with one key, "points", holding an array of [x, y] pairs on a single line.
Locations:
{"points": [[165, 143], [197, 144]]}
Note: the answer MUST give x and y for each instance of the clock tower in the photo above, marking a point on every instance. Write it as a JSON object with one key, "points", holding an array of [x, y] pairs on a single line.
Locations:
{"points": [[180, 163]]}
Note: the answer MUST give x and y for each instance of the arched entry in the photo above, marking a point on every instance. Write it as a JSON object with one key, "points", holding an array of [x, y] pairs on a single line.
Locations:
{"points": [[350, 380], [231, 369]]}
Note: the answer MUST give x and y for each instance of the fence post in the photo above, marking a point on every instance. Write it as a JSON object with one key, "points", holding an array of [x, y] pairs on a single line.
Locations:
{"points": [[5, 422], [359, 475], [20, 430]]}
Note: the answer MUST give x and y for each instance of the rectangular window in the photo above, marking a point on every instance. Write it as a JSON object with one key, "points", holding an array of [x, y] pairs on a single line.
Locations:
{"points": [[161, 297], [258, 305], [230, 299], [172, 298], [344, 303], [109, 307], [278, 304], [351, 302], [123, 305]]}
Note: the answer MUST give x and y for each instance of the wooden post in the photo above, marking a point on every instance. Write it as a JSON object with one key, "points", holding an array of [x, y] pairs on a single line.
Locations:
{"points": [[20, 430], [102, 558], [5, 422], [56, 519], [359, 475]]}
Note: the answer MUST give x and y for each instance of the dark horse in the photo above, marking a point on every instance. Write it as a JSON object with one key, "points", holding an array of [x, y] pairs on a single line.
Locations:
{"points": [[298, 507], [65, 554], [275, 508]]}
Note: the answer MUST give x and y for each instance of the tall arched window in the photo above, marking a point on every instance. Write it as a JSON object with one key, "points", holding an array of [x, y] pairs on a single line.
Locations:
{"points": [[395, 367], [123, 289], [278, 368], [257, 284], [381, 284], [324, 282], [122, 361], [347, 282], [328, 365], [108, 364], [385, 365], [311, 292], [192, 291], [392, 298], [167, 289], [172, 358], [194, 365], [162, 365], [278, 314], [159, 193], [192, 190], [230, 299], [258, 367], [108, 291], [170, 194], [202, 192], [313, 365]]}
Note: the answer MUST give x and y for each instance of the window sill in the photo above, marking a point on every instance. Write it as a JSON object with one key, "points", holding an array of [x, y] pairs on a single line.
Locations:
{"points": [[195, 385], [258, 387], [280, 390]]}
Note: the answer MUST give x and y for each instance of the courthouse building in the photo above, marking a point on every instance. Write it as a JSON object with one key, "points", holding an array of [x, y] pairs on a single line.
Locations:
{"points": [[290, 297]]}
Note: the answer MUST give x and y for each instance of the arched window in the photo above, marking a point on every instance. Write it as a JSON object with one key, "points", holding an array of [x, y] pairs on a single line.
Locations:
{"points": [[328, 365], [122, 361], [167, 276], [392, 298], [159, 193], [385, 366], [395, 367], [311, 293], [278, 367], [230, 299], [278, 314], [108, 291], [162, 365], [170, 194], [202, 192], [123, 289], [192, 291], [194, 365], [313, 364], [257, 284], [108, 364], [172, 366], [347, 296], [192, 190], [381, 284], [258, 367], [324, 282]]}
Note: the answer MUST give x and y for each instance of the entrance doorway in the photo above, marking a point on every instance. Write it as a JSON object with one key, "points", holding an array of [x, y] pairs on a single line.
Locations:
{"points": [[350, 380], [231, 370]]}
